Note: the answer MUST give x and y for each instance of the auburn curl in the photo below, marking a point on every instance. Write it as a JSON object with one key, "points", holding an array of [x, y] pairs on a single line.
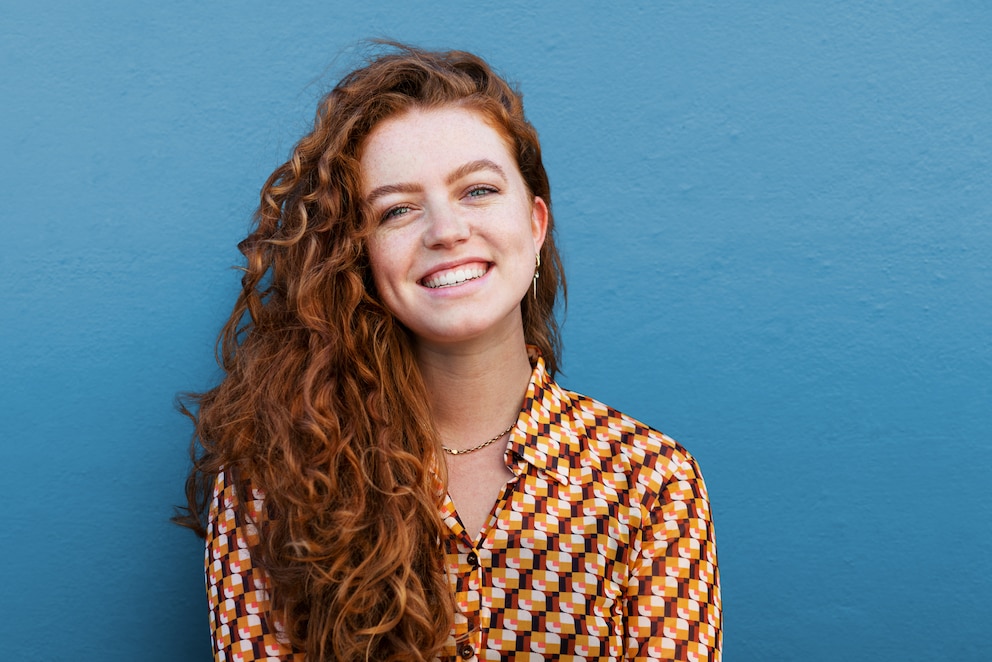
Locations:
{"points": [[322, 407]]}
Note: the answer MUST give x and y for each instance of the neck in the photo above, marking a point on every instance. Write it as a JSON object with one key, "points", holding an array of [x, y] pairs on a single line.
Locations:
{"points": [[474, 393]]}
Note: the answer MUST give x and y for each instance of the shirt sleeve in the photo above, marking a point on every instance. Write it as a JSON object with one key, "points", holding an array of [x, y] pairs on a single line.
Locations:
{"points": [[237, 592], [673, 598]]}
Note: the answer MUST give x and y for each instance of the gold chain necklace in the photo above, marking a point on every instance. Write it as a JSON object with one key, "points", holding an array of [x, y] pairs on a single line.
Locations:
{"points": [[452, 451]]}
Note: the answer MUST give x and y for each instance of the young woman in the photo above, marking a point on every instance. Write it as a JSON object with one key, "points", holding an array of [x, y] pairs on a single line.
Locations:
{"points": [[388, 470]]}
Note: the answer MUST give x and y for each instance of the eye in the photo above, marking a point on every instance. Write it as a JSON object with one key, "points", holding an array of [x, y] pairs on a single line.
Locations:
{"points": [[394, 212], [481, 191]]}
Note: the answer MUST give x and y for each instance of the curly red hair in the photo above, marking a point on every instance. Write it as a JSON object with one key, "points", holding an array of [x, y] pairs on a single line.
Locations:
{"points": [[322, 406]]}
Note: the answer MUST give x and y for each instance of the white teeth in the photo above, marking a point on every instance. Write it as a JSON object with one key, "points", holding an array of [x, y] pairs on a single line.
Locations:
{"points": [[456, 277]]}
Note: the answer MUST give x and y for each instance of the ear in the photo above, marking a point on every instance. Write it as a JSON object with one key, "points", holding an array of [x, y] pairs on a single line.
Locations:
{"points": [[538, 222]]}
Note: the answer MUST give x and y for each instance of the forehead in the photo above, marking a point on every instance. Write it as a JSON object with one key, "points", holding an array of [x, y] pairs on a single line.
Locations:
{"points": [[422, 142]]}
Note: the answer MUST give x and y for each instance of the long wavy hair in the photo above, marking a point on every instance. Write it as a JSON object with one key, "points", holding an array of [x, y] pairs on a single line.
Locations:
{"points": [[322, 407]]}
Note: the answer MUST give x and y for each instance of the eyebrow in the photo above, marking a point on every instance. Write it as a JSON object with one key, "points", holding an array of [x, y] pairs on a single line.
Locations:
{"points": [[458, 173]]}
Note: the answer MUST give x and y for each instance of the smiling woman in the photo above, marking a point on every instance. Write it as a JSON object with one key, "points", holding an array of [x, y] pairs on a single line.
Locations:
{"points": [[388, 470]]}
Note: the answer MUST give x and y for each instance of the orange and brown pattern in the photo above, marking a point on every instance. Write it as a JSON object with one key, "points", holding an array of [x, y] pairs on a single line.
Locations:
{"points": [[236, 590], [600, 547]]}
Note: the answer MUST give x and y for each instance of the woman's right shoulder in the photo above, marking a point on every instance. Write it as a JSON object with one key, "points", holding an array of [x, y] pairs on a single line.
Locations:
{"points": [[233, 511], [237, 590]]}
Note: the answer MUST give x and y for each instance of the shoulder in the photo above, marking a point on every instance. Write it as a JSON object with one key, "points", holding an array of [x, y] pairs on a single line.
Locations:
{"points": [[233, 511], [607, 440]]}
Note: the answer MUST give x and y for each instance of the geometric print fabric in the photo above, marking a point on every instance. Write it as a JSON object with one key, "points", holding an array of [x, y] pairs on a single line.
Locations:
{"points": [[600, 547]]}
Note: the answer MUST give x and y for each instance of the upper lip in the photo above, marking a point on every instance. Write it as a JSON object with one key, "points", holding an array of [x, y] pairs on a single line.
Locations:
{"points": [[452, 264]]}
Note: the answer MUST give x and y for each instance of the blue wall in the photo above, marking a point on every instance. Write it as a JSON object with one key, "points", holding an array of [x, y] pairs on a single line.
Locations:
{"points": [[776, 222]]}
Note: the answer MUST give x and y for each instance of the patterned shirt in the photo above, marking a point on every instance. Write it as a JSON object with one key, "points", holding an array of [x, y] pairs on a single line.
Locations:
{"points": [[600, 547]]}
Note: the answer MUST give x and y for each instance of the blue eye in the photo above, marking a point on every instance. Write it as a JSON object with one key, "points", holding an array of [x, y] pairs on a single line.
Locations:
{"points": [[394, 212], [481, 191]]}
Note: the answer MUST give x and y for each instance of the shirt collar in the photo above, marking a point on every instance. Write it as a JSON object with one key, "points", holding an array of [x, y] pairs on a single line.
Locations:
{"points": [[549, 433]]}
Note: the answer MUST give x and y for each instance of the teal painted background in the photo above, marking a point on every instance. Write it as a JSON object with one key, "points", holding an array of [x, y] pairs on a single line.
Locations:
{"points": [[776, 223]]}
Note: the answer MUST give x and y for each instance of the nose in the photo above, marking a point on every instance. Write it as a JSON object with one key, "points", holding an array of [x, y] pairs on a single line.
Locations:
{"points": [[446, 226]]}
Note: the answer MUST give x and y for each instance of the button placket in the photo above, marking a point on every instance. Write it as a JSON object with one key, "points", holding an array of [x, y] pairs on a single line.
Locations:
{"points": [[469, 650]]}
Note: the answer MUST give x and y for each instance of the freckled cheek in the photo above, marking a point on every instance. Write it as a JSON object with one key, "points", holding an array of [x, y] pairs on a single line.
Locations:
{"points": [[379, 263], [387, 261]]}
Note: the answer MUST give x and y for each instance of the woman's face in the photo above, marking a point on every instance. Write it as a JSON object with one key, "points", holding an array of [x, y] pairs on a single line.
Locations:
{"points": [[454, 252]]}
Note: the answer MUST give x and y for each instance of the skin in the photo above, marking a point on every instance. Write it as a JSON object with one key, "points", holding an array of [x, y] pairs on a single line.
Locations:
{"points": [[454, 211]]}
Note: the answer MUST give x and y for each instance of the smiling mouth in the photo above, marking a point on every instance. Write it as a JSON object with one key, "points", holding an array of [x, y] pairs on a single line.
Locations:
{"points": [[453, 277]]}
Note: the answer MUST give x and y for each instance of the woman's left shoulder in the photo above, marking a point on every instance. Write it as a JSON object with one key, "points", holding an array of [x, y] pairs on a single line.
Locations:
{"points": [[607, 435]]}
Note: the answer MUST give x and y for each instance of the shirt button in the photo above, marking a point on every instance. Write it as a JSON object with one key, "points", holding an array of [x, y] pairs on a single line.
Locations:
{"points": [[466, 651], [473, 560]]}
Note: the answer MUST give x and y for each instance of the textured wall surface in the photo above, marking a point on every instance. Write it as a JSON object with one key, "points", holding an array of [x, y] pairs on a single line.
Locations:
{"points": [[776, 222]]}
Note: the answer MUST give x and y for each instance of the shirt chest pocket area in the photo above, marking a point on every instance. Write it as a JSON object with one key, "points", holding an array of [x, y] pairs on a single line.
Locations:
{"points": [[569, 558]]}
